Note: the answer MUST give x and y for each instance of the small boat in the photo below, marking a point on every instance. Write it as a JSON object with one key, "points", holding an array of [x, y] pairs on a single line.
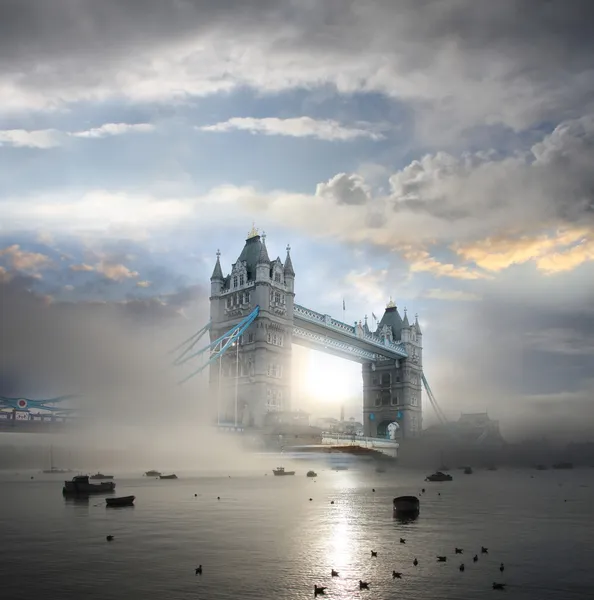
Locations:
{"points": [[152, 474], [81, 485], [101, 476], [121, 501], [541, 467], [439, 476], [311, 474], [172, 476], [467, 470], [563, 465], [280, 472], [54, 470], [406, 506]]}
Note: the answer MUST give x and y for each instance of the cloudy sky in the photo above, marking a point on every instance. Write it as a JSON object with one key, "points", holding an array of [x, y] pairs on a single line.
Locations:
{"points": [[436, 151]]}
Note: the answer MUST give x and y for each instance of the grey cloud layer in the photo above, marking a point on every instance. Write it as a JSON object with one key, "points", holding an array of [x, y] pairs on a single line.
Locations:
{"points": [[462, 62]]}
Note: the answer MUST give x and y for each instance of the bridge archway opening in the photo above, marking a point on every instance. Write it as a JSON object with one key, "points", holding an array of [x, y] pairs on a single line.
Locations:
{"points": [[323, 384], [388, 429]]}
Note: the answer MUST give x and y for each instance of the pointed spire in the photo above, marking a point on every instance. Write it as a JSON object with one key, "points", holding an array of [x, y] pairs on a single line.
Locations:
{"points": [[391, 303], [289, 263], [253, 233], [217, 272], [418, 327], [263, 258], [405, 322]]}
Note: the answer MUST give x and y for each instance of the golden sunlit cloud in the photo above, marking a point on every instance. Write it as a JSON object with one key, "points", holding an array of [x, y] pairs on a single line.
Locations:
{"points": [[25, 261], [499, 253], [422, 262]]}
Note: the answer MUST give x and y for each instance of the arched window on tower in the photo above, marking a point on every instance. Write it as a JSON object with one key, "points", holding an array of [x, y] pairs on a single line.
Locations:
{"points": [[386, 379], [235, 281]]}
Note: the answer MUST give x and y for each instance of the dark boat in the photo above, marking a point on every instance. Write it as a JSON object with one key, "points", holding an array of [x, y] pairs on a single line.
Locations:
{"points": [[311, 474], [172, 476], [439, 476], [563, 465], [406, 506], [280, 472], [467, 470], [101, 476], [81, 485], [153, 474], [541, 467], [121, 501]]}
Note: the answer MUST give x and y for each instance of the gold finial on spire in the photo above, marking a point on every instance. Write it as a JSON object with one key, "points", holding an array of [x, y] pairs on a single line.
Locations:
{"points": [[218, 254], [288, 248], [254, 232], [391, 303]]}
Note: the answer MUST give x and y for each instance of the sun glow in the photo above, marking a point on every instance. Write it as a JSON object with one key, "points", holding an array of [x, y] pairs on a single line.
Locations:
{"points": [[330, 379]]}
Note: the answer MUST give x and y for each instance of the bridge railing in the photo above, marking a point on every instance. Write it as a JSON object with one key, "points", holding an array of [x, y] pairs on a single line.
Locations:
{"points": [[327, 321], [389, 447]]}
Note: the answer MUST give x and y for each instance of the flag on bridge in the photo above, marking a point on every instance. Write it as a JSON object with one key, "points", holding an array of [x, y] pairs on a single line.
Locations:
{"points": [[374, 317], [343, 305]]}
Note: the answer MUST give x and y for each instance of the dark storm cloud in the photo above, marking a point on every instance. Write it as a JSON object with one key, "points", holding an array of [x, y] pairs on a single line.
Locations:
{"points": [[552, 34], [36, 30], [524, 60]]}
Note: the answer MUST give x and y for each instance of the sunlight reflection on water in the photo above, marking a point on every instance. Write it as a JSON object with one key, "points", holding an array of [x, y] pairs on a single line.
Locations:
{"points": [[264, 537]]}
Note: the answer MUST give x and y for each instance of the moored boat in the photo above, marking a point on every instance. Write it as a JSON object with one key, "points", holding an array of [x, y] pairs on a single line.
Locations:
{"points": [[406, 506], [54, 470], [280, 472], [153, 474], [81, 485], [172, 476], [100, 476], [467, 470], [563, 465], [121, 501], [439, 476], [311, 474]]}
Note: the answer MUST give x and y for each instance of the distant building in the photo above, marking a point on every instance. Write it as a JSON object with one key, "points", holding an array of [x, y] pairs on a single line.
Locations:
{"points": [[331, 425], [471, 428]]}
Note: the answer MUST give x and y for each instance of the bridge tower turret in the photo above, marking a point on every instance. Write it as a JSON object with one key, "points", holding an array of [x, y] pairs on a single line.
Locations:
{"points": [[392, 388], [254, 377]]}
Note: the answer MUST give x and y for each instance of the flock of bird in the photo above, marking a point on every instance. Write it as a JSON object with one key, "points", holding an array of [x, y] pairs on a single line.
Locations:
{"points": [[364, 585]]}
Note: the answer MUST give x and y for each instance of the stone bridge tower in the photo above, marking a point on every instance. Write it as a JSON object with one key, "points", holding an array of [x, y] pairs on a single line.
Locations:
{"points": [[253, 378], [392, 388]]}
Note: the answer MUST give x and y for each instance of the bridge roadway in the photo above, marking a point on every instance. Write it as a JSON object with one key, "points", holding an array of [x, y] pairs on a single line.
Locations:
{"points": [[321, 332], [24, 422]]}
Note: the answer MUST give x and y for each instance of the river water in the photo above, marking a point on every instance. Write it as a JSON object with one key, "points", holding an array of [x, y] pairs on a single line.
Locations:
{"points": [[264, 538]]}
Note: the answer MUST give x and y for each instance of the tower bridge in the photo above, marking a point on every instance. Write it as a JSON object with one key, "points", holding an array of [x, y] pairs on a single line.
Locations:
{"points": [[254, 321]]}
